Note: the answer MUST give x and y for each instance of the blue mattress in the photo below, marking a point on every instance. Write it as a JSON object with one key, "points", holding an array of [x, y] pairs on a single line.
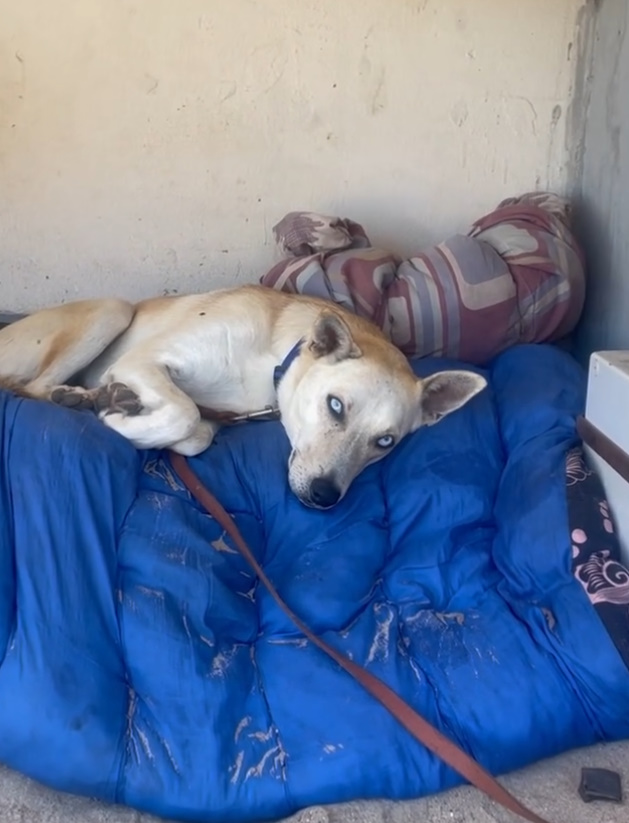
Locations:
{"points": [[141, 663]]}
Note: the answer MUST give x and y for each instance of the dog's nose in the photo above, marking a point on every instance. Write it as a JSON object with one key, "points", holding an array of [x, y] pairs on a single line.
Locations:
{"points": [[323, 493]]}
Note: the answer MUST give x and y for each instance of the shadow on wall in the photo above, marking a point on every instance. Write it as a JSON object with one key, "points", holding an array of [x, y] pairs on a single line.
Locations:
{"points": [[602, 209], [598, 329]]}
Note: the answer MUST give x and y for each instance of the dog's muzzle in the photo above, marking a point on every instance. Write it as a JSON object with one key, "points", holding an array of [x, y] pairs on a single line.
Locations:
{"points": [[320, 493]]}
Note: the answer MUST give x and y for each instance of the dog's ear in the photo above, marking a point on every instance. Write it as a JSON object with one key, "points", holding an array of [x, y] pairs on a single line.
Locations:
{"points": [[331, 337], [445, 392]]}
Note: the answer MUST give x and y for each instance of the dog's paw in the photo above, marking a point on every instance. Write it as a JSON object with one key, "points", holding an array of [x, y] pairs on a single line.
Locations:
{"points": [[72, 397], [116, 398]]}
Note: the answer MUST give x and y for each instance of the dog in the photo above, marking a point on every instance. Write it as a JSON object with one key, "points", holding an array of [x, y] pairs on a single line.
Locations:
{"points": [[345, 395]]}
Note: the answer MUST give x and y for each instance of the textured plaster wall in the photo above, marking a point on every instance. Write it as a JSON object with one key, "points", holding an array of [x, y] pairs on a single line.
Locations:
{"points": [[150, 146]]}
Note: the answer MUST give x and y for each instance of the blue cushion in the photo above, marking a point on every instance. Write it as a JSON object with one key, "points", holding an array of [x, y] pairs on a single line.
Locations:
{"points": [[142, 663]]}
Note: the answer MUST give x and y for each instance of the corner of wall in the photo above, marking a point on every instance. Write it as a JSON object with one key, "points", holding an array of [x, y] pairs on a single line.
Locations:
{"points": [[576, 132], [602, 180], [580, 93]]}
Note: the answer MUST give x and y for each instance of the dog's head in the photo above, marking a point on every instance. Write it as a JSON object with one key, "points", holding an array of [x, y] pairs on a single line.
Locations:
{"points": [[346, 404]]}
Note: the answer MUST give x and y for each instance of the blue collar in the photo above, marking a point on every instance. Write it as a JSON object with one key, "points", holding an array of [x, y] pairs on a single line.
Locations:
{"points": [[280, 371]]}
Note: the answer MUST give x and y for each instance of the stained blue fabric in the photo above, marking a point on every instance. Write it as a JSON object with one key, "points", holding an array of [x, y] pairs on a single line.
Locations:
{"points": [[141, 663]]}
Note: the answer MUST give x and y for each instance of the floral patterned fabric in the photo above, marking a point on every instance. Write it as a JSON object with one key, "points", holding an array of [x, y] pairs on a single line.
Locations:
{"points": [[596, 562]]}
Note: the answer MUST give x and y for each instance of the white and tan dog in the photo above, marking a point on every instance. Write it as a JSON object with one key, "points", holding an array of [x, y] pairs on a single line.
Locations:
{"points": [[346, 398]]}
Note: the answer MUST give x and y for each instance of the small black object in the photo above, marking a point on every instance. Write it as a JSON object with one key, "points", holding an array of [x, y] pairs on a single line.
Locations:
{"points": [[600, 784]]}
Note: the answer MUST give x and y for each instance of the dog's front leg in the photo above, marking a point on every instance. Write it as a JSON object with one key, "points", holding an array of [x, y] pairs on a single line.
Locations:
{"points": [[198, 441], [169, 418]]}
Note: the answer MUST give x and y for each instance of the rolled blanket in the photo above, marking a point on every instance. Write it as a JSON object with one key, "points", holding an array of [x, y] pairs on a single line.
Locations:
{"points": [[516, 277]]}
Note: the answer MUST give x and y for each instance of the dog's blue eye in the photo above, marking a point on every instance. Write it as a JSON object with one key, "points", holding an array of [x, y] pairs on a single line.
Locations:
{"points": [[385, 442], [335, 405]]}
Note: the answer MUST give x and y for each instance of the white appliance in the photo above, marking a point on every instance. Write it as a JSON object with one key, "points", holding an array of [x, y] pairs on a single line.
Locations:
{"points": [[607, 408]]}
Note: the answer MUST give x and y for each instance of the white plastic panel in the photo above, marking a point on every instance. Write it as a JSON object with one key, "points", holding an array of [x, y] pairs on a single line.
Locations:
{"points": [[607, 408]]}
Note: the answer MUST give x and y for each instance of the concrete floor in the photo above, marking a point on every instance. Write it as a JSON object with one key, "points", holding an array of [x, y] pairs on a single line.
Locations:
{"points": [[549, 788]]}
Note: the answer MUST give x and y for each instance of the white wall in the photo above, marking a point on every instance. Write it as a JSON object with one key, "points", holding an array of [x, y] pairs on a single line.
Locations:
{"points": [[151, 146]]}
